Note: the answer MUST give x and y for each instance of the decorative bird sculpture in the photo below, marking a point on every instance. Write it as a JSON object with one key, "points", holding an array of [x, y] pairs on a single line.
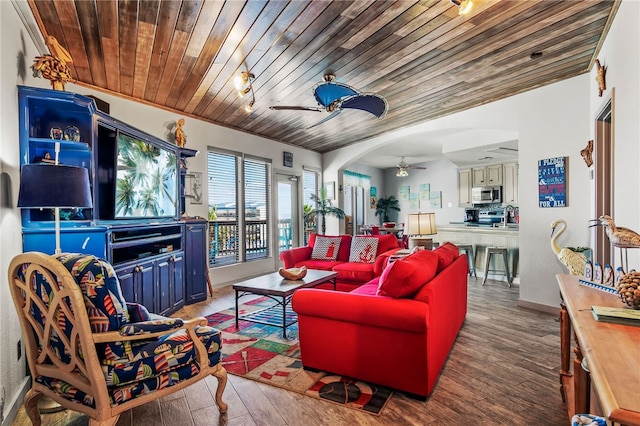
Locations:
{"points": [[619, 236], [623, 238], [574, 261], [54, 67], [600, 77]]}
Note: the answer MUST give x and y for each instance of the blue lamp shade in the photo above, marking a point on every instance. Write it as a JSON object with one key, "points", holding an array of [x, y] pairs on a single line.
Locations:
{"points": [[50, 186]]}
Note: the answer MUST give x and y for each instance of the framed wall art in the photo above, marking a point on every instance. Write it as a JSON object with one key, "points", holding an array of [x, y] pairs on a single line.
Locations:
{"points": [[552, 182]]}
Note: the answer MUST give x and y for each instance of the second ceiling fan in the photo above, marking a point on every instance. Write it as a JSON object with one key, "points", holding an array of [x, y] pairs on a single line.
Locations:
{"points": [[403, 167], [333, 97]]}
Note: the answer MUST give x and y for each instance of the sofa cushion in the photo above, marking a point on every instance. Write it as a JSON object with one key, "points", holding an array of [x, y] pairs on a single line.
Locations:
{"points": [[363, 249], [368, 289], [345, 245], [326, 248], [323, 265], [406, 276], [387, 242], [352, 271], [446, 253]]}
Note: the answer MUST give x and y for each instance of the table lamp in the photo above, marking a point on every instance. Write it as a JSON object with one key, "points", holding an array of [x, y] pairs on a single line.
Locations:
{"points": [[54, 187], [418, 225]]}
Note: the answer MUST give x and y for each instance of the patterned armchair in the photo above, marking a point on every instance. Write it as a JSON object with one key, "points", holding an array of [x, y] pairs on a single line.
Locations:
{"points": [[94, 353]]}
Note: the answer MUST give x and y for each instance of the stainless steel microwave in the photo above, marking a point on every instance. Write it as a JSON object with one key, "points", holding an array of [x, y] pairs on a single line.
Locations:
{"points": [[486, 195]]}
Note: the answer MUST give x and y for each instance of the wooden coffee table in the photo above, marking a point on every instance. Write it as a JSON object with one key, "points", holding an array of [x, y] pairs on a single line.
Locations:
{"points": [[280, 290]]}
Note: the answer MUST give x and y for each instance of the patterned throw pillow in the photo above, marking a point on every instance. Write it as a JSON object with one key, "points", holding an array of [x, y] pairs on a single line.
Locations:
{"points": [[325, 248], [363, 250]]}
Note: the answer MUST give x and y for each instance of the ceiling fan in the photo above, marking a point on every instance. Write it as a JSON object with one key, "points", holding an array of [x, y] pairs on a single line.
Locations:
{"points": [[333, 97], [403, 167]]}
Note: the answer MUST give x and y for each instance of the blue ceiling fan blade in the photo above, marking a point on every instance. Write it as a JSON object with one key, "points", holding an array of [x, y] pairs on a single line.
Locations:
{"points": [[328, 92], [327, 118], [369, 102]]}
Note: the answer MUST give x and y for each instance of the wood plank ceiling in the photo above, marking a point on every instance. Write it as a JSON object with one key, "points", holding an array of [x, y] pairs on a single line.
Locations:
{"points": [[424, 58]]}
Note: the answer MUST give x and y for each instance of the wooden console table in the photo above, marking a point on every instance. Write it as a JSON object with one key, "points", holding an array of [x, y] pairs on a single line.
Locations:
{"points": [[611, 353]]}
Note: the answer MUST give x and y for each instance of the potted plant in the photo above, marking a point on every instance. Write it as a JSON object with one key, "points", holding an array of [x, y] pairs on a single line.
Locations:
{"points": [[386, 205], [324, 208]]}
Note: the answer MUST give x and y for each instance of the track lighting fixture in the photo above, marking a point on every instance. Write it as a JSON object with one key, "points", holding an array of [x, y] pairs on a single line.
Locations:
{"points": [[243, 78], [464, 6], [244, 85]]}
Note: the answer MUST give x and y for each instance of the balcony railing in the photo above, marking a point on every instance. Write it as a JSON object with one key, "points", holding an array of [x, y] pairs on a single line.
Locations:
{"points": [[223, 237]]}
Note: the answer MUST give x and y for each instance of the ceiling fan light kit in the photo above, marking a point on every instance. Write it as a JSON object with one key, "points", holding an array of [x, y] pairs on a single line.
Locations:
{"points": [[244, 85], [464, 6], [402, 173]]}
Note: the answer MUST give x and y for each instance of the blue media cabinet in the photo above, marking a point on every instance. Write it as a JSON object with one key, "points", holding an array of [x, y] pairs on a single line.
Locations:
{"points": [[148, 251]]}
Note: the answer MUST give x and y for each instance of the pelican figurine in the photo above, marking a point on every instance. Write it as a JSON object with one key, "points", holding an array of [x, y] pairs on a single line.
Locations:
{"points": [[620, 237], [574, 261]]}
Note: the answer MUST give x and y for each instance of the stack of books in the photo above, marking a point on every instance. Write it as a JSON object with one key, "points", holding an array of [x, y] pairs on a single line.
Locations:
{"points": [[616, 315]]}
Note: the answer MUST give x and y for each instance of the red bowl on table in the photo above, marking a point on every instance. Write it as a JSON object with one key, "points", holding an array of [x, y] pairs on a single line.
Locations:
{"points": [[389, 224]]}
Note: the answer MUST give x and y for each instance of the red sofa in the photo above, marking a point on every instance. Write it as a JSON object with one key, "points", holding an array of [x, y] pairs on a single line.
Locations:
{"points": [[350, 274], [398, 342]]}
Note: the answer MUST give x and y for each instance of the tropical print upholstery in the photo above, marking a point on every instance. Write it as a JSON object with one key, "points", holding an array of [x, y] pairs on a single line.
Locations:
{"points": [[133, 368]]}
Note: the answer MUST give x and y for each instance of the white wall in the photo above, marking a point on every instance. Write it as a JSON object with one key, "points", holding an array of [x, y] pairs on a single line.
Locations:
{"points": [[442, 176], [17, 52]]}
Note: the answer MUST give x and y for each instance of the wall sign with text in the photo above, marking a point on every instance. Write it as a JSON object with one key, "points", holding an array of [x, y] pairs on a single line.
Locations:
{"points": [[552, 182]]}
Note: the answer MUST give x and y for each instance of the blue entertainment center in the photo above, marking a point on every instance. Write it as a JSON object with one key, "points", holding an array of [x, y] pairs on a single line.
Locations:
{"points": [[137, 186]]}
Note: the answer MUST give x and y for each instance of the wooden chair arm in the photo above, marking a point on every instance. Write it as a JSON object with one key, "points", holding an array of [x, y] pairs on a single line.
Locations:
{"points": [[115, 336]]}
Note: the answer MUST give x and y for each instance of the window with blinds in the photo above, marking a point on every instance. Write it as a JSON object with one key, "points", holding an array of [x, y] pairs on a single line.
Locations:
{"points": [[239, 193], [257, 193], [222, 170]]}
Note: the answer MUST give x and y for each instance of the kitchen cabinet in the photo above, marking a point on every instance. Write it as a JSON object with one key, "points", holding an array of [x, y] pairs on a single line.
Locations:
{"points": [[488, 176], [464, 187], [510, 183]]}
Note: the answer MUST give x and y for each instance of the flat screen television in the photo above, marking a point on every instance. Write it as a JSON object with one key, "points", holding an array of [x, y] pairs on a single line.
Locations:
{"points": [[146, 183], [136, 178]]}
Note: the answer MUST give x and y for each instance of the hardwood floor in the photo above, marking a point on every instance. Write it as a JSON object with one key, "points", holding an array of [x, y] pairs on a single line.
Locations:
{"points": [[503, 370]]}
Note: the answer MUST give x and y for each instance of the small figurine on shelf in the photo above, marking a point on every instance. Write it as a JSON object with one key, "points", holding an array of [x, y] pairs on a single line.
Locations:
{"points": [[597, 273], [607, 279], [54, 66], [588, 270], [619, 274], [181, 138]]}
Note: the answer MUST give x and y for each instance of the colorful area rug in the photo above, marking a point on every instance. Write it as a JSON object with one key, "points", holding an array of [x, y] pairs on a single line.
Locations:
{"points": [[258, 352]]}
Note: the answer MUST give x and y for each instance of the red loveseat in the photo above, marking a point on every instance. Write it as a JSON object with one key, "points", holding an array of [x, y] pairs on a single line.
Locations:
{"points": [[350, 274], [401, 342]]}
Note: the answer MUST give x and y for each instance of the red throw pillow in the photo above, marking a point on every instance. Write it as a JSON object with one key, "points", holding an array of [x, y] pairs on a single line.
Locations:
{"points": [[404, 277], [326, 248], [363, 249], [446, 253]]}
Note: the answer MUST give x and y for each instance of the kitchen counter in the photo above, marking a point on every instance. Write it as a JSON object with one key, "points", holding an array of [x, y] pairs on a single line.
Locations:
{"points": [[466, 226], [482, 236]]}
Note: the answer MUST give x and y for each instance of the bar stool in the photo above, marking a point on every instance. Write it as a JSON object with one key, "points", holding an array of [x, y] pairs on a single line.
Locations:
{"points": [[468, 249], [490, 251]]}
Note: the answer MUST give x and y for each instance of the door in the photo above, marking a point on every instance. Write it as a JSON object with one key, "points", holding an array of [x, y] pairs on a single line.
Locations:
{"points": [[287, 208], [603, 164]]}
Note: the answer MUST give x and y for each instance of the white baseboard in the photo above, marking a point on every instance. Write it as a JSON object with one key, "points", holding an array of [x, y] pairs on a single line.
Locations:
{"points": [[538, 307]]}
